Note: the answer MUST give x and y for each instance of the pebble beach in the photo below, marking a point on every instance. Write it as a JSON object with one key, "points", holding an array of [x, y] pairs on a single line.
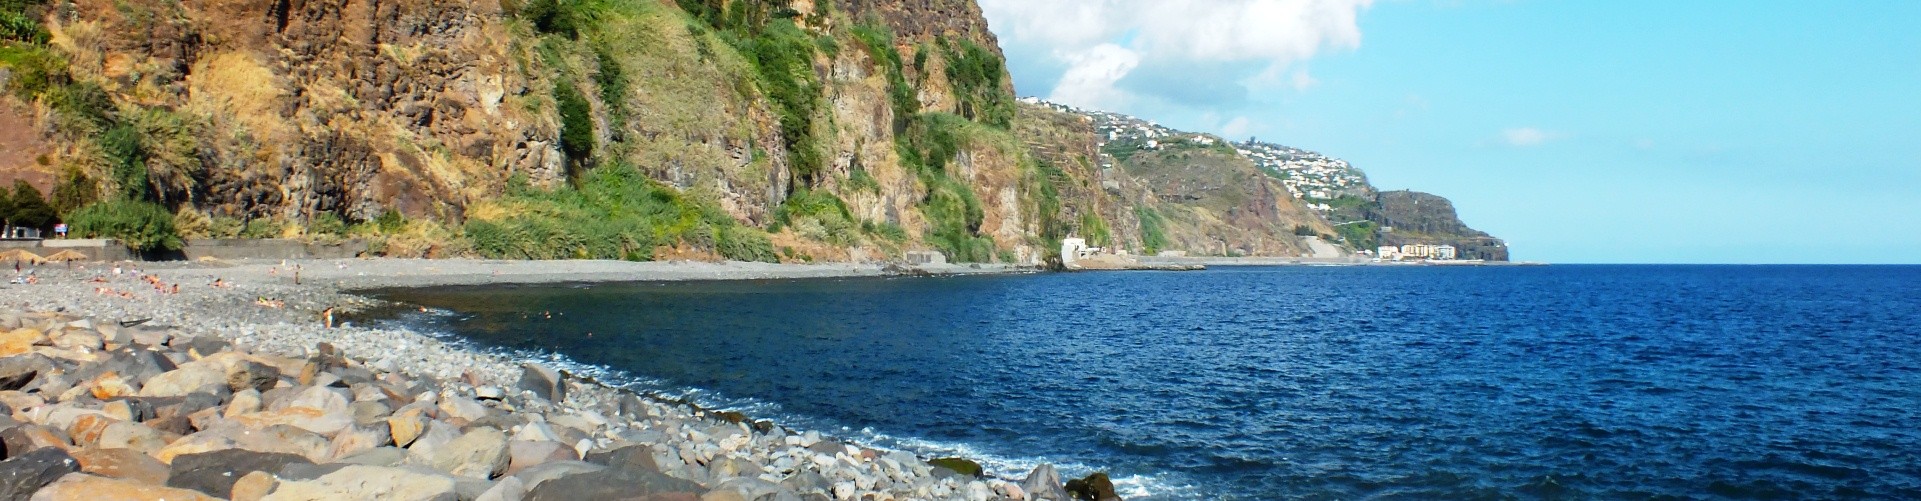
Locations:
{"points": [[224, 380]]}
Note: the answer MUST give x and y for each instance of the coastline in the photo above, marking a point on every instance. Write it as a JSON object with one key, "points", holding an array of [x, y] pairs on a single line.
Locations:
{"points": [[261, 311]]}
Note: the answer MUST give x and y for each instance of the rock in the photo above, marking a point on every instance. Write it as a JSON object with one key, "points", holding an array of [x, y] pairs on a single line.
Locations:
{"points": [[536, 432], [32, 437], [359, 438], [524, 454], [958, 465], [378, 456], [1044, 483], [182, 381], [253, 486], [369, 412], [122, 463], [406, 426], [81, 486], [215, 472], [507, 489], [306, 418], [438, 435], [248, 374], [750, 489], [17, 371], [806, 482], [978, 491], [533, 476], [546, 383], [23, 474], [369, 482], [78, 340], [632, 457], [481, 453], [86, 428], [276, 438], [319, 397], [19, 341], [462, 408], [243, 402], [135, 436], [1095, 487], [614, 484], [203, 346], [489, 393]]}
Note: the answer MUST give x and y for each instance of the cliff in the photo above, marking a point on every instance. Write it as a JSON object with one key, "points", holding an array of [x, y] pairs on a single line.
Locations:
{"points": [[1411, 217], [634, 129]]}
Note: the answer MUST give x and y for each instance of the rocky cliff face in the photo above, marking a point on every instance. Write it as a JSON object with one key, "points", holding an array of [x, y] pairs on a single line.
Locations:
{"points": [[1412, 217], [847, 130]]}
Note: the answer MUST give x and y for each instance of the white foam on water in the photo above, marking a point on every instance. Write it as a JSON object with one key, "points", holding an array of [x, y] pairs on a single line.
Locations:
{"points": [[1011, 468]]}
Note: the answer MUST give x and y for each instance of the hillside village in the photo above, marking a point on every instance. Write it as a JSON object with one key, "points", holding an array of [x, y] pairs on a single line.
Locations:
{"points": [[1314, 178]]}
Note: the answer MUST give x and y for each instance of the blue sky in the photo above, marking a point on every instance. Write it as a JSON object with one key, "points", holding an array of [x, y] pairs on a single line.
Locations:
{"points": [[1693, 132]]}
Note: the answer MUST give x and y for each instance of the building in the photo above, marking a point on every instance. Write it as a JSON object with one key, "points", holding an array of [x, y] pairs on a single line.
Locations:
{"points": [[1074, 249]]}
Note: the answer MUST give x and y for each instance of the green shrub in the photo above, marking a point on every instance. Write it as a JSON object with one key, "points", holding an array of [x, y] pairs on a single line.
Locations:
{"points": [[1153, 230], [74, 190], [263, 228], [35, 69], [976, 74], [614, 212], [576, 126], [225, 227], [141, 226], [390, 221], [613, 83], [326, 224], [126, 161], [555, 17], [27, 208]]}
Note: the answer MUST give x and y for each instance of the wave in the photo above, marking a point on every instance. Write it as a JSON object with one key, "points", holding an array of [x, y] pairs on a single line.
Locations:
{"points": [[432, 322]]}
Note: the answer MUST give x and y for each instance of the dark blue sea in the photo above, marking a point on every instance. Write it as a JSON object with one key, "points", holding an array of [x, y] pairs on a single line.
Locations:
{"points": [[1577, 382]]}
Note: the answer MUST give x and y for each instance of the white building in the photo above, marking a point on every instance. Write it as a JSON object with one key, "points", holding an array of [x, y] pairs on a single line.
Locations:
{"points": [[1074, 249]]}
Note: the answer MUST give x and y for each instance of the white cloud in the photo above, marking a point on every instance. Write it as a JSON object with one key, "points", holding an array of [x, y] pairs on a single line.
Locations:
{"points": [[1239, 127], [1090, 80], [1302, 81], [1527, 136], [1270, 35]]}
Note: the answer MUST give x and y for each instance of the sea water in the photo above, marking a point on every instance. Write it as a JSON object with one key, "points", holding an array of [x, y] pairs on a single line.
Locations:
{"points": [[1294, 382]]}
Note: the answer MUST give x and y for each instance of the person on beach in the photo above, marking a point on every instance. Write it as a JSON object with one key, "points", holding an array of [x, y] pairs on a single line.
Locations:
{"points": [[327, 317]]}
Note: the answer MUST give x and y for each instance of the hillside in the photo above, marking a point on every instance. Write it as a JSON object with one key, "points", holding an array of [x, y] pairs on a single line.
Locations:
{"points": [[852, 130]]}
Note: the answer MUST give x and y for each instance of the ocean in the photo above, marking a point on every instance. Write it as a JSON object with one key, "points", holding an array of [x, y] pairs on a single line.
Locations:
{"points": [[1566, 381]]}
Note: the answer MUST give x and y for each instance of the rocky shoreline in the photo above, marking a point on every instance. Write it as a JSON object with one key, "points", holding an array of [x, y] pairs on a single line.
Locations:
{"points": [[221, 380]]}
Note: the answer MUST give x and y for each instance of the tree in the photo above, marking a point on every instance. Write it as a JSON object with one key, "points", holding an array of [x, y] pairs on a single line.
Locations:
{"points": [[6, 209], [73, 191], [142, 226], [30, 209]]}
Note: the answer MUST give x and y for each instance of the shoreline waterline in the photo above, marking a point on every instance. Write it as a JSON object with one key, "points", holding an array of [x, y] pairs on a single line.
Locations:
{"points": [[258, 305]]}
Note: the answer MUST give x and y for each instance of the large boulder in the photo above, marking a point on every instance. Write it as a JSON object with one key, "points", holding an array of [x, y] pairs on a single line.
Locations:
{"points": [[1095, 487], [215, 472], [22, 475], [481, 453], [615, 484], [369, 482], [962, 466], [1044, 483], [122, 463], [545, 382], [84, 487]]}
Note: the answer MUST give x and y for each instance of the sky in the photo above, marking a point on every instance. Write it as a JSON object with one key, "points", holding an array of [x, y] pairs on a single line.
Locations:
{"points": [[1580, 132]]}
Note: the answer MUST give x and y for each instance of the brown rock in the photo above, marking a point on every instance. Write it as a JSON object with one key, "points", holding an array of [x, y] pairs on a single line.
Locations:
{"points": [[524, 454], [86, 429], [84, 487], [253, 486], [481, 453], [359, 438], [368, 482], [307, 418], [406, 426], [28, 437], [132, 436], [122, 463], [20, 341]]}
